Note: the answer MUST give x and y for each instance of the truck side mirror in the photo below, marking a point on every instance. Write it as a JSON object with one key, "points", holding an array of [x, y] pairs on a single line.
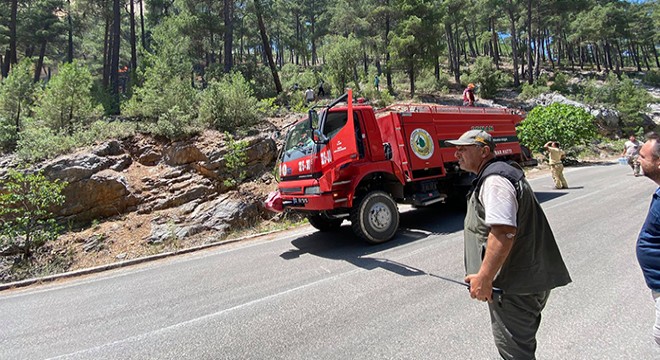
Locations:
{"points": [[313, 118], [319, 138]]}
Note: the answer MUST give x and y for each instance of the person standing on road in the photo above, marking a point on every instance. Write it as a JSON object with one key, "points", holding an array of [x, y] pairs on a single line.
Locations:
{"points": [[631, 152], [468, 95], [648, 242], [509, 245], [555, 155]]}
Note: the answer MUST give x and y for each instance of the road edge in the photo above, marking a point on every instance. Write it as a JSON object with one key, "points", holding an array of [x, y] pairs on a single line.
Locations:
{"points": [[120, 264]]}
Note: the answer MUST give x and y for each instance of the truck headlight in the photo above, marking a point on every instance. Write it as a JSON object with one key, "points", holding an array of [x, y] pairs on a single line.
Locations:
{"points": [[312, 190]]}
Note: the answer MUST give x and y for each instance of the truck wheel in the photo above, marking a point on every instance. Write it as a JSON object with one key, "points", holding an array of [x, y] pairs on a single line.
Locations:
{"points": [[324, 224], [375, 218]]}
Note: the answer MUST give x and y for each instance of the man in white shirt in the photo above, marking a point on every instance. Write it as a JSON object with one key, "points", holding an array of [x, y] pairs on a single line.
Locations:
{"points": [[309, 95], [509, 245], [631, 152]]}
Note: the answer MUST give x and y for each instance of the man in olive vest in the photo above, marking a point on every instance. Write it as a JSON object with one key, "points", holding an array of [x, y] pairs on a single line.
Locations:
{"points": [[508, 245]]}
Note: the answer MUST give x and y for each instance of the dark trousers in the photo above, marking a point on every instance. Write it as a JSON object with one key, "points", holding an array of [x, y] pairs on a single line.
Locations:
{"points": [[515, 320]]}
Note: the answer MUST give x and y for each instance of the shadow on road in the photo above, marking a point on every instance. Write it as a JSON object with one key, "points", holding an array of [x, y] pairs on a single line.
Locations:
{"points": [[343, 245], [414, 225]]}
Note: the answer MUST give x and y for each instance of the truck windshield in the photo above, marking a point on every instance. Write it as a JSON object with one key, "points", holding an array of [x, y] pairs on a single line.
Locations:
{"points": [[299, 143]]}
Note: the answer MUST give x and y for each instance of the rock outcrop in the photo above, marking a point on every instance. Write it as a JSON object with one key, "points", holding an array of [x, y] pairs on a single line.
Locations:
{"points": [[144, 175]]}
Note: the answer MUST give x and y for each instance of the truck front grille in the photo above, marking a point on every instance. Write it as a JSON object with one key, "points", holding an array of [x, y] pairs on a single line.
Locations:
{"points": [[291, 190]]}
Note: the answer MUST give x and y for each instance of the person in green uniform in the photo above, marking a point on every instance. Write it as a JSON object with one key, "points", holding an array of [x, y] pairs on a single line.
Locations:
{"points": [[508, 245]]}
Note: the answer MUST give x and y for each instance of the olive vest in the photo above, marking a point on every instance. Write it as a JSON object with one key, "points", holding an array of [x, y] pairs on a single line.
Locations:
{"points": [[534, 263]]}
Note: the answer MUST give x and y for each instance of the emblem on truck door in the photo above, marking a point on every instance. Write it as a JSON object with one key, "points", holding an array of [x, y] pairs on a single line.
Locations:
{"points": [[421, 143]]}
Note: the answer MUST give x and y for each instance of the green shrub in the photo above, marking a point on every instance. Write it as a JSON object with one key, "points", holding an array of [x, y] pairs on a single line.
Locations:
{"points": [[484, 73], [25, 220], [342, 57], [652, 78], [175, 124], [292, 74], [632, 100], [234, 161], [260, 79], [569, 125], [268, 107], [36, 143], [67, 101], [560, 83], [427, 83], [39, 142], [297, 103], [17, 94], [164, 88], [532, 91], [228, 104], [626, 97], [377, 99]]}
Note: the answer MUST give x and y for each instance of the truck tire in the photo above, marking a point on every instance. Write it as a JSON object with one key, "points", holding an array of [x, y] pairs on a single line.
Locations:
{"points": [[324, 224], [375, 217]]}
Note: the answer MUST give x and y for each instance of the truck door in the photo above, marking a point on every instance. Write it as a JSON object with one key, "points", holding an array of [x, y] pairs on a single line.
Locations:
{"points": [[339, 128]]}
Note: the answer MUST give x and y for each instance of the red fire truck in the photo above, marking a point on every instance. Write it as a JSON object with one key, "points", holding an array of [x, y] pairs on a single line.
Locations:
{"points": [[354, 163]]}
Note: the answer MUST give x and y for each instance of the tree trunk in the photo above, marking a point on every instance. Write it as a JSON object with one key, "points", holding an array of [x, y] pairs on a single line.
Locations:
{"points": [[530, 79], [133, 69], [312, 23], [40, 62], [473, 53], [144, 36], [617, 59], [411, 76], [596, 55], [69, 54], [388, 69], [229, 34], [298, 40], [457, 54], [451, 49], [645, 57], [608, 56], [548, 47], [5, 65], [107, 42], [495, 42], [17, 124], [266, 45], [114, 60], [514, 45], [633, 50], [12, 33], [620, 54], [560, 48], [537, 54], [655, 54]]}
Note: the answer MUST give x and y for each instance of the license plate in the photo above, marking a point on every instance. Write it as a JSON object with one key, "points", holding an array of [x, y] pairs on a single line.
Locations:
{"points": [[299, 201]]}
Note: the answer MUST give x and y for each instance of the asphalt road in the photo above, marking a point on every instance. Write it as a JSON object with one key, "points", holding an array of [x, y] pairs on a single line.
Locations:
{"points": [[306, 295]]}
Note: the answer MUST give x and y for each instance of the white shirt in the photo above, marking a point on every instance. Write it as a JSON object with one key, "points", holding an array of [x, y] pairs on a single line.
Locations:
{"points": [[632, 148], [498, 197]]}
